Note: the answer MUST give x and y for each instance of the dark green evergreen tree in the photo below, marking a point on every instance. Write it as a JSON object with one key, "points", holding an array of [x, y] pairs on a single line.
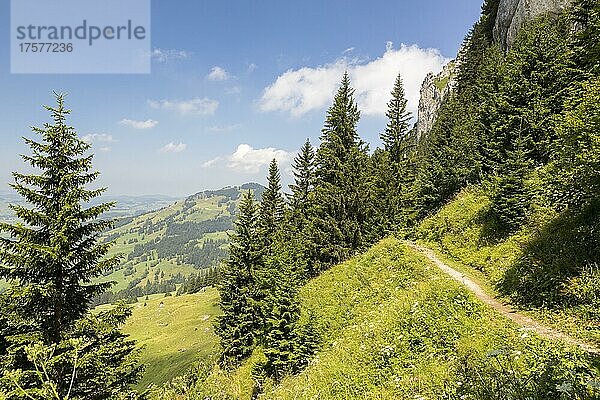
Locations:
{"points": [[394, 135], [393, 169], [50, 260], [342, 185], [288, 343], [240, 325], [304, 180], [510, 197], [272, 206], [586, 16], [574, 176]]}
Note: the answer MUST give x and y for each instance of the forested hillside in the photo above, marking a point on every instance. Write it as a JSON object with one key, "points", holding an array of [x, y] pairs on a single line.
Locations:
{"points": [[178, 246]]}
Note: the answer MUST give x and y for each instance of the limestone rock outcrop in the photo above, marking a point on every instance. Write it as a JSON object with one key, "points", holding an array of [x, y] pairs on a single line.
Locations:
{"points": [[433, 91], [513, 14]]}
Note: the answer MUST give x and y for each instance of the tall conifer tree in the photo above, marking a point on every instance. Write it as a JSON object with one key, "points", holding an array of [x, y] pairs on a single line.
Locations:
{"points": [[398, 122], [239, 326], [51, 258], [393, 170], [271, 206], [342, 194]]}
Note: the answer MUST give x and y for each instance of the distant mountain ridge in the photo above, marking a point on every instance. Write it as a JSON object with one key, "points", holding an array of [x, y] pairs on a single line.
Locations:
{"points": [[231, 192]]}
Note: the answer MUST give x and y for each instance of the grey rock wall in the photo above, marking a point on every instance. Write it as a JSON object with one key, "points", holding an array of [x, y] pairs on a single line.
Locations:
{"points": [[513, 14]]}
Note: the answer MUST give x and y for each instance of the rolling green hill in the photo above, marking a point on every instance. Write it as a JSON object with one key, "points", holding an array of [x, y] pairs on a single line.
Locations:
{"points": [[162, 248]]}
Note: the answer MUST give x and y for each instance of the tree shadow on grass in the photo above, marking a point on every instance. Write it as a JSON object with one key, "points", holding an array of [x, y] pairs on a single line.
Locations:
{"points": [[560, 251], [492, 230]]}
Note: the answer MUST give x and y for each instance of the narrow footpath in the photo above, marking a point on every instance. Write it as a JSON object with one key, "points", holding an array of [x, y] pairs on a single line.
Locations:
{"points": [[502, 308]]}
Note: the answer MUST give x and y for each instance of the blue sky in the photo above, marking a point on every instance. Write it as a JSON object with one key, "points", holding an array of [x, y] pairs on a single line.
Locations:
{"points": [[234, 84]]}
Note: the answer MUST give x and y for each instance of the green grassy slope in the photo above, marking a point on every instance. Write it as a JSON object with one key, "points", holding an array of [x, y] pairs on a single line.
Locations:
{"points": [[174, 242], [392, 327], [173, 335], [543, 268]]}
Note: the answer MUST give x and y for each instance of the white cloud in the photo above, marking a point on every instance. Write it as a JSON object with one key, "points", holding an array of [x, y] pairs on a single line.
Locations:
{"points": [[173, 148], [163, 56], [218, 74], [196, 106], [248, 160], [235, 90], [147, 124], [223, 129], [306, 89], [105, 149], [252, 67], [98, 138], [348, 50]]}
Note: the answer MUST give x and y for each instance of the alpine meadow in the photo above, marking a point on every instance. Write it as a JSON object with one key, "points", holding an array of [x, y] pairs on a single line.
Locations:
{"points": [[456, 256]]}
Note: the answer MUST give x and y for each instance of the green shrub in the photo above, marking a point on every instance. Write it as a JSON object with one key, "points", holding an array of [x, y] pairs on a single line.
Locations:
{"points": [[537, 371]]}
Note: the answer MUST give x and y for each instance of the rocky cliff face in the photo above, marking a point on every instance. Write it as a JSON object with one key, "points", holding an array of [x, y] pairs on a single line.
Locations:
{"points": [[513, 14], [433, 91]]}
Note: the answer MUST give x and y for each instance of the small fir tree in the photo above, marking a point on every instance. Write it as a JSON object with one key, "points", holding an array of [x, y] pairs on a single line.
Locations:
{"points": [[304, 180]]}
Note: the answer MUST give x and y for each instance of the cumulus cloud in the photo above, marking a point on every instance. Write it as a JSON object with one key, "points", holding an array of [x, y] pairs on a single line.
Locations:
{"points": [[164, 56], [98, 138], [147, 124], [311, 88], [218, 74], [173, 148], [195, 106], [247, 159], [234, 90], [224, 129]]}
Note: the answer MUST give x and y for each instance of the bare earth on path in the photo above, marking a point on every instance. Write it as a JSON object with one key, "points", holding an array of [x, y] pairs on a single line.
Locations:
{"points": [[502, 308]]}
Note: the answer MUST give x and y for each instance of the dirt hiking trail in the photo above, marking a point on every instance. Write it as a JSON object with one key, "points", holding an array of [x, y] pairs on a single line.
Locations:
{"points": [[505, 310]]}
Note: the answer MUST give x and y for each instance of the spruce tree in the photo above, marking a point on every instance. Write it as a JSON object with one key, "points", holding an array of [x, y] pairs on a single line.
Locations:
{"points": [[392, 168], [240, 325], [342, 193], [282, 314], [51, 258], [287, 342], [510, 198], [304, 179], [398, 122], [271, 206], [574, 176], [586, 15]]}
